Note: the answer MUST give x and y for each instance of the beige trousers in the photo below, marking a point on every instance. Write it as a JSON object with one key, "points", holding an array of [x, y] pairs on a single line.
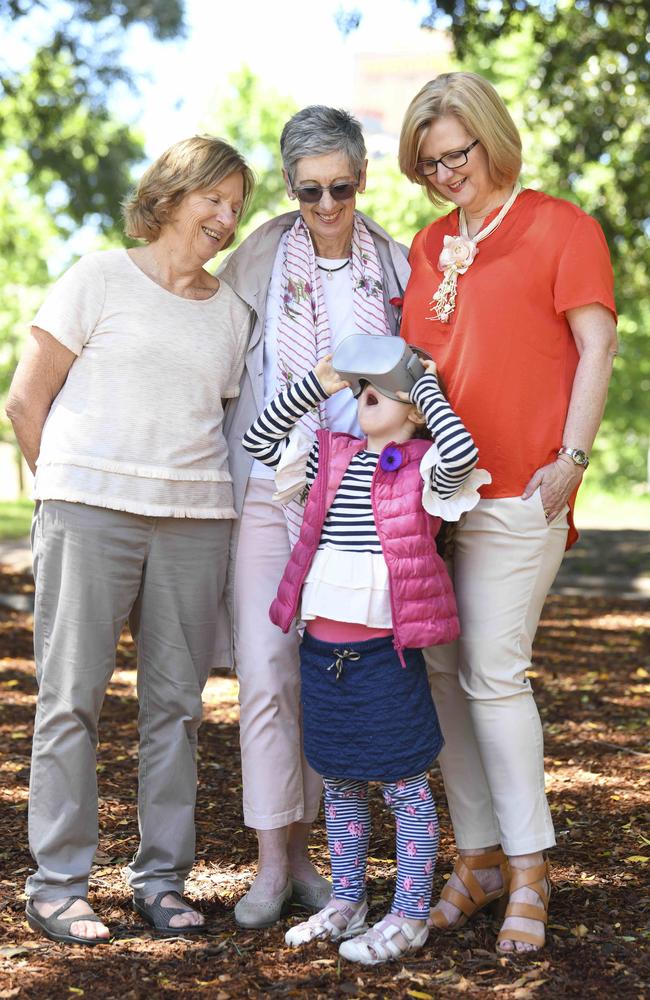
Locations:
{"points": [[505, 560], [279, 785]]}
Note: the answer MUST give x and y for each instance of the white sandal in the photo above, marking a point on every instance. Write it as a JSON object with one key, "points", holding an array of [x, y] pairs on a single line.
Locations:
{"points": [[320, 926], [377, 944]]}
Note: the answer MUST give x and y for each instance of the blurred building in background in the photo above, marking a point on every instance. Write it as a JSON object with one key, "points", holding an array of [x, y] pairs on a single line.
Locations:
{"points": [[386, 81]]}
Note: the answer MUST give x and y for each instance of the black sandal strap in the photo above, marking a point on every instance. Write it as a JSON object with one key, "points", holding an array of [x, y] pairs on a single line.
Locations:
{"points": [[158, 915], [58, 927], [66, 906]]}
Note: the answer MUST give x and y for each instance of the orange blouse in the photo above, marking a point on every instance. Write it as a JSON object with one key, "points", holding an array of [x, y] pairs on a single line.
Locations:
{"points": [[507, 357]]}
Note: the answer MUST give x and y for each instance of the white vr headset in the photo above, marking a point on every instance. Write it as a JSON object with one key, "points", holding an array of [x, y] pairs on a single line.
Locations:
{"points": [[389, 364]]}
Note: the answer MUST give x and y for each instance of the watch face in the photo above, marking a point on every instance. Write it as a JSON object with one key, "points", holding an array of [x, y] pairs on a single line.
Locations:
{"points": [[579, 457]]}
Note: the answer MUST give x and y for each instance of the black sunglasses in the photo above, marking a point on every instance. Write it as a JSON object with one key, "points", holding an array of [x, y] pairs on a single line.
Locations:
{"points": [[457, 158], [311, 194]]}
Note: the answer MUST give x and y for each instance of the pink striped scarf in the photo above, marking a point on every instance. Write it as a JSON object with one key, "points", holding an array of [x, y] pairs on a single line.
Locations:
{"points": [[304, 336]]}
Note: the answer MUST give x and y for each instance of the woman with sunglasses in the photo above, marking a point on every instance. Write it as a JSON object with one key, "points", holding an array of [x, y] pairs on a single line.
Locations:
{"points": [[511, 293], [311, 278]]}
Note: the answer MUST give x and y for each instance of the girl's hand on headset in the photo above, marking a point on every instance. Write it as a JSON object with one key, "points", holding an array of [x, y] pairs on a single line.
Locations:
{"points": [[330, 380]]}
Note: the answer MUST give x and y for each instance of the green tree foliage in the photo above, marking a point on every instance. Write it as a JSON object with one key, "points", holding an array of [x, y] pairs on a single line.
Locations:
{"points": [[56, 110], [65, 161], [396, 204], [78, 157], [251, 116], [26, 236]]}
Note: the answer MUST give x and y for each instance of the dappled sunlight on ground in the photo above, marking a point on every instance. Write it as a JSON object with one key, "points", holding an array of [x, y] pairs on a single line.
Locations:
{"points": [[590, 676]]}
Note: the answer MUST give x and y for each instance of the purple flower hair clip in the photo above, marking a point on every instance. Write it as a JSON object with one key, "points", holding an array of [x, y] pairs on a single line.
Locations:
{"points": [[391, 459]]}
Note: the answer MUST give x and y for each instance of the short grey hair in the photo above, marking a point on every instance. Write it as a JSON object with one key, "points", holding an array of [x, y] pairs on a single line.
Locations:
{"points": [[318, 130]]}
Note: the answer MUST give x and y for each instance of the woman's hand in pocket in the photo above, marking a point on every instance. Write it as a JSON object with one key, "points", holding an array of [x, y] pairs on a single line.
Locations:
{"points": [[556, 482]]}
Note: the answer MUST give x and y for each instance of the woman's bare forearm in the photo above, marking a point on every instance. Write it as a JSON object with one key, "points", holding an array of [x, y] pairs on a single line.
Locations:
{"points": [[595, 335], [41, 372], [28, 427], [594, 332]]}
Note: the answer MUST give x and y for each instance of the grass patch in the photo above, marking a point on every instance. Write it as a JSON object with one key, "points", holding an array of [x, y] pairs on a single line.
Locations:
{"points": [[15, 518], [596, 509]]}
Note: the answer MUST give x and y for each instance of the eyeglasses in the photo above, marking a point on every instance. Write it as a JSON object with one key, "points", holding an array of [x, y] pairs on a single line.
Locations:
{"points": [[457, 158], [311, 194]]}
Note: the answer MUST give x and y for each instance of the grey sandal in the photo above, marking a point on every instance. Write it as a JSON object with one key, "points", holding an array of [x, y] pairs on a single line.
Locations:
{"points": [[158, 916], [57, 928]]}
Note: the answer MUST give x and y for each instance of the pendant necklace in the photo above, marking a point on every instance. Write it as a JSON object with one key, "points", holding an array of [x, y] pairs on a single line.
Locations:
{"points": [[457, 255], [332, 270]]}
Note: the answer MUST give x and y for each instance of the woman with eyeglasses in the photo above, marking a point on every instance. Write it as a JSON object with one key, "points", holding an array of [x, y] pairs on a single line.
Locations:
{"points": [[311, 278], [512, 294]]}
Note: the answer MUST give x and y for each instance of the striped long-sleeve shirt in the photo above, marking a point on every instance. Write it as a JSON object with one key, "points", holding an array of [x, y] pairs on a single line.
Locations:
{"points": [[350, 523]]}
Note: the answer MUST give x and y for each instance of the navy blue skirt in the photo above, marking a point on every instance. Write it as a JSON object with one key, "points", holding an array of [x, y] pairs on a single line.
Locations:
{"points": [[365, 716]]}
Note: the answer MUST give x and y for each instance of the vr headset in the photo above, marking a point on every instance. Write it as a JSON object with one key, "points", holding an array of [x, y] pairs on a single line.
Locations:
{"points": [[389, 364]]}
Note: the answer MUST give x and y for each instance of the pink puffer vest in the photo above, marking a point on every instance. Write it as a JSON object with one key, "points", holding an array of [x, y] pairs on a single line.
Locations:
{"points": [[422, 598]]}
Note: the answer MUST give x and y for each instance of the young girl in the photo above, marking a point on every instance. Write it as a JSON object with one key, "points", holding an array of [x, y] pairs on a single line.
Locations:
{"points": [[372, 591]]}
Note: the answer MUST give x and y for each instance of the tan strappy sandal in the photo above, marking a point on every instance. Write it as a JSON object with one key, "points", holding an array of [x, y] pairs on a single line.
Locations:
{"points": [[476, 899], [537, 879]]}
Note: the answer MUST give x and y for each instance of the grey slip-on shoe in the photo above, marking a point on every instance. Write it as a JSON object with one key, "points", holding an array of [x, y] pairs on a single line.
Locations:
{"points": [[263, 913], [312, 895]]}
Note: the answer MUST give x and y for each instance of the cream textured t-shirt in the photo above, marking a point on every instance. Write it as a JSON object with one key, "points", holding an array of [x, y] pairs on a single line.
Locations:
{"points": [[137, 425]]}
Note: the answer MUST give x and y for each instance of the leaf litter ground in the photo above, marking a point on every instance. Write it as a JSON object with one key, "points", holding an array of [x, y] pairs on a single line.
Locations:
{"points": [[592, 678]]}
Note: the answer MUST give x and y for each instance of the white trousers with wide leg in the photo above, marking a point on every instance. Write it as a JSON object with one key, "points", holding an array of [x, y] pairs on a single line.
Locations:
{"points": [[505, 560], [279, 785]]}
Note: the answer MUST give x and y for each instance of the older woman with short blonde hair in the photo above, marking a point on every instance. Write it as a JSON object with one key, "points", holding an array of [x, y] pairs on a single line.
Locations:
{"points": [[117, 406], [193, 164], [465, 96], [512, 294]]}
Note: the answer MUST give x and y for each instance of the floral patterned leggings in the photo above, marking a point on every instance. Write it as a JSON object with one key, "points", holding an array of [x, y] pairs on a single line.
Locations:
{"points": [[347, 816]]}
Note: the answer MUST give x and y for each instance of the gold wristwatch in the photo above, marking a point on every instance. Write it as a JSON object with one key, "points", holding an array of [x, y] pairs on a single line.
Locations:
{"points": [[577, 455]]}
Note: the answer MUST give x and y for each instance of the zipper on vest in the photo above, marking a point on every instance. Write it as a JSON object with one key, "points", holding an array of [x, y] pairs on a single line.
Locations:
{"points": [[397, 646], [323, 464]]}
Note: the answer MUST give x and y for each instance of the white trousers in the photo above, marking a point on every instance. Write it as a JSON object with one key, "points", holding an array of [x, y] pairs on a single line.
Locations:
{"points": [[505, 560], [279, 785]]}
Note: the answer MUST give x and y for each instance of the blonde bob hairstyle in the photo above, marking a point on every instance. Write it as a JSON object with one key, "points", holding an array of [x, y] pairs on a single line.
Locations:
{"points": [[476, 104], [189, 165]]}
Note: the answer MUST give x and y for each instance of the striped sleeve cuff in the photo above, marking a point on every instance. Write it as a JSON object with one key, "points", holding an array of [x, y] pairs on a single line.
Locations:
{"points": [[425, 389], [266, 437]]}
